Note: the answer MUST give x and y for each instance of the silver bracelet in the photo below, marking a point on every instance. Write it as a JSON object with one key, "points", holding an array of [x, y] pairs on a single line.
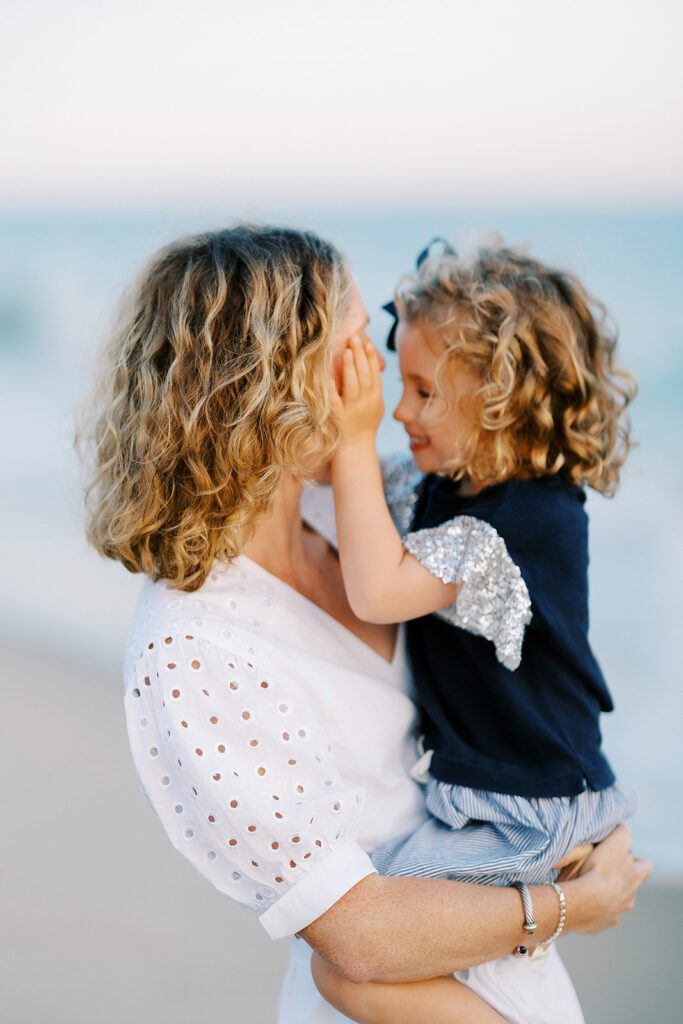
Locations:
{"points": [[530, 924], [563, 915]]}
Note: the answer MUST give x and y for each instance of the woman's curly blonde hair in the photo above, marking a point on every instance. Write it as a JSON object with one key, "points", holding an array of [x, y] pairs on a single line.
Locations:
{"points": [[214, 384], [551, 397]]}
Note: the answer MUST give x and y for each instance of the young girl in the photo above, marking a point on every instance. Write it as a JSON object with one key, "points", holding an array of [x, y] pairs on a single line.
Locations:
{"points": [[512, 404]]}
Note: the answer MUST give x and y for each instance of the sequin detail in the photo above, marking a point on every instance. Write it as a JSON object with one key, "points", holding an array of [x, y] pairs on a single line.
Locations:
{"points": [[401, 479], [493, 600]]}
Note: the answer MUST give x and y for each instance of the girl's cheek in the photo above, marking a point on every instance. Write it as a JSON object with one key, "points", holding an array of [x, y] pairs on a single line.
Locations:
{"points": [[431, 416]]}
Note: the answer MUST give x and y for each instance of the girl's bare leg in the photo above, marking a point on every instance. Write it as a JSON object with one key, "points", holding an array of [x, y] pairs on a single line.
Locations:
{"points": [[435, 1001]]}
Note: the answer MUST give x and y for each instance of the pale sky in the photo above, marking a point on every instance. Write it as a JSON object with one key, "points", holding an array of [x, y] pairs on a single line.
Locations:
{"points": [[387, 104]]}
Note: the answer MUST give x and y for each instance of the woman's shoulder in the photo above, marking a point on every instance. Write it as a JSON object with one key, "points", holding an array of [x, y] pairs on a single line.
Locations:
{"points": [[223, 612]]}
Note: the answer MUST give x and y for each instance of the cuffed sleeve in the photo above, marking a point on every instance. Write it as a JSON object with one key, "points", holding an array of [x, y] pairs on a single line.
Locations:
{"points": [[317, 891]]}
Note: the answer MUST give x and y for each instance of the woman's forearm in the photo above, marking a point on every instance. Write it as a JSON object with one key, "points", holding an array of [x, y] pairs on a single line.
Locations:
{"points": [[407, 929]]}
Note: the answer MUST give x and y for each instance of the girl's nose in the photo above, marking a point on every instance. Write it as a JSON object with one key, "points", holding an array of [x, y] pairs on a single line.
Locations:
{"points": [[399, 412]]}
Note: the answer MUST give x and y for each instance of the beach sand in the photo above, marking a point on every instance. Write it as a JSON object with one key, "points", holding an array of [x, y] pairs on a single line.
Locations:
{"points": [[103, 921]]}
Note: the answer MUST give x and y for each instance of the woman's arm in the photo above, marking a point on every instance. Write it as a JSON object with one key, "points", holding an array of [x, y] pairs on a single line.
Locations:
{"points": [[240, 770], [407, 929], [268, 819]]}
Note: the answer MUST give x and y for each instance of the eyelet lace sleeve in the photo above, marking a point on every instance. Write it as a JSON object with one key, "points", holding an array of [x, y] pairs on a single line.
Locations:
{"points": [[243, 779], [493, 599]]}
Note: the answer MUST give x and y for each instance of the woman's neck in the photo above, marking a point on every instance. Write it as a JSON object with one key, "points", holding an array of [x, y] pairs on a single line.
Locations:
{"points": [[305, 561], [277, 544]]}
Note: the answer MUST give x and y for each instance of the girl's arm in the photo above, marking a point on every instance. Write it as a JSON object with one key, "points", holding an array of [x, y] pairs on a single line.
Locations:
{"points": [[408, 929], [436, 1001], [383, 582]]}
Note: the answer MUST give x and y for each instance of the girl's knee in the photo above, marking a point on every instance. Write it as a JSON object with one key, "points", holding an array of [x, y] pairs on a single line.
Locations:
{"points": [[329, 983], [342, 994]]}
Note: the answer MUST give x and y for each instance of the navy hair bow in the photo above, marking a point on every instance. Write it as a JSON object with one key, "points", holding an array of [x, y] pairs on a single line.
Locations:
{"points": [[390, 307]]}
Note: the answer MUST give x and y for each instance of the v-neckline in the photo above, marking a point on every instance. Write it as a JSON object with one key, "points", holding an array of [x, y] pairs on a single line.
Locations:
{"points": [[275, 580]]}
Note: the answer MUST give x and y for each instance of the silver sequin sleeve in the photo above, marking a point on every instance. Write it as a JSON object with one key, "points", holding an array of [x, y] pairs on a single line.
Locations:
{"points": [[493, 599], [401, 480]]}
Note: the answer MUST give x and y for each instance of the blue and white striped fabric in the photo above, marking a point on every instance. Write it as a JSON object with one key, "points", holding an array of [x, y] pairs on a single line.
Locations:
{"points": [[474, 835]]}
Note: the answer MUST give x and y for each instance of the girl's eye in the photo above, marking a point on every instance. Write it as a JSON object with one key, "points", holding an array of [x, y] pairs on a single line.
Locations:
{"points": [[423, 394]]}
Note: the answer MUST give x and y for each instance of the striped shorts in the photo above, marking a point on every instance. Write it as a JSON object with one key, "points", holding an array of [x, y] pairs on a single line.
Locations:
{"points": [[474, 835]]}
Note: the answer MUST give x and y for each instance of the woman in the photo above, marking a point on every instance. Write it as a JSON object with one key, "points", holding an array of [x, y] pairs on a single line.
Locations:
{"points": [[269, 727]]}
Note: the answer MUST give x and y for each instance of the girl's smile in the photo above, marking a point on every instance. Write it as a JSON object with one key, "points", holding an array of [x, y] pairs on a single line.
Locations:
{"points": [[417, 444]]}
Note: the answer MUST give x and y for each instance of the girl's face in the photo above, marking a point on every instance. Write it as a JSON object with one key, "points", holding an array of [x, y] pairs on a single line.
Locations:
{"points": [[437, 425]]}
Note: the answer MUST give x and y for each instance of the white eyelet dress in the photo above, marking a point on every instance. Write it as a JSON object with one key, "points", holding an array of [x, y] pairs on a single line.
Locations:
{"points": [[275, 748]]}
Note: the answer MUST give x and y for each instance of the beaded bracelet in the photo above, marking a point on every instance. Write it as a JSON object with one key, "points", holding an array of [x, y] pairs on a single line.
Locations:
{"points": [[530, 925], [563, 915]]}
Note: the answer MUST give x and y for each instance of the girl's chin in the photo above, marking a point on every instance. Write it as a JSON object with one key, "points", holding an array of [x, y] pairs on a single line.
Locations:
{"points": [[423, 457]]}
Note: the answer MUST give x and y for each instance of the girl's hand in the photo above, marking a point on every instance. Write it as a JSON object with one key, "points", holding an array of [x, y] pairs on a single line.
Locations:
{"points": [[572, 862], [615, 876], [360, 407]]}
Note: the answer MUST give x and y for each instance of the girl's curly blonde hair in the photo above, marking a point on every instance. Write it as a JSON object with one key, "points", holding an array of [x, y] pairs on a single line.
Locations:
{"points": [[214, 384], [551, 397]]}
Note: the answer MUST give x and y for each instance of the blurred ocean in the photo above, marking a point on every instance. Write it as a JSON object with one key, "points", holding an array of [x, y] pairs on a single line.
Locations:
{"points": [[60, 278]]}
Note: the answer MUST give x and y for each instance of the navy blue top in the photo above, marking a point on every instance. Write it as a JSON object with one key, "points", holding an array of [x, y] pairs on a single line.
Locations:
{"points": [[533, 731]]}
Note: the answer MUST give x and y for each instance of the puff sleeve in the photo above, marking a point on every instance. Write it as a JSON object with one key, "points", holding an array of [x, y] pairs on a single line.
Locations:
{"points": [[493, 599], [243, 778]]}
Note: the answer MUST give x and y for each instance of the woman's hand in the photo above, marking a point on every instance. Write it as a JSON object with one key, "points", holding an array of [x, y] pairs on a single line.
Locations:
{"points": [[615, 876], [360, 407]]}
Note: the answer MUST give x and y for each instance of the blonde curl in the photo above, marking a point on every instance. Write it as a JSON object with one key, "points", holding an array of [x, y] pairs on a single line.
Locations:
{"points": [[213, 385], [552, 398]]}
